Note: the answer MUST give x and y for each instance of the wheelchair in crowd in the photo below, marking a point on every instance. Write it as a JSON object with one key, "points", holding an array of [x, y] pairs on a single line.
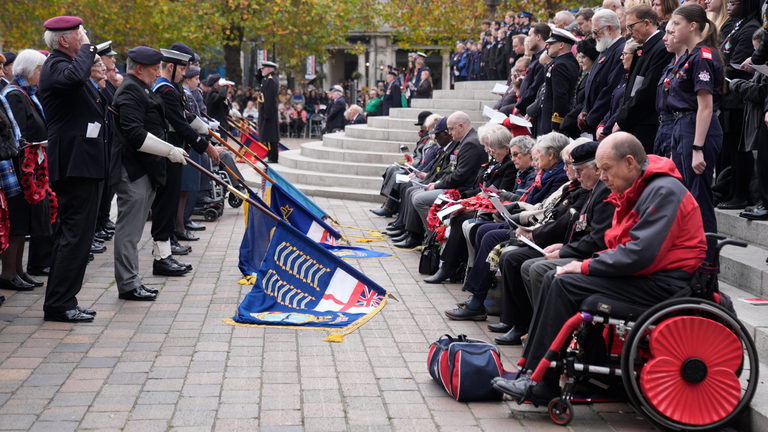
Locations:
{"points": [[687, 364], [211, 205]]}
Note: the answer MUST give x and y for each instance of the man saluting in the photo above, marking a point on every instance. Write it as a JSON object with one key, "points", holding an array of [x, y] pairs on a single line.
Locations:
{"points": [[77, 157], [269, 123]]}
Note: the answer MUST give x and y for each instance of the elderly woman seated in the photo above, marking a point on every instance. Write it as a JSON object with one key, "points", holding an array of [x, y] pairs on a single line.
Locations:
{"points": [[551, 178], [508, 162]]}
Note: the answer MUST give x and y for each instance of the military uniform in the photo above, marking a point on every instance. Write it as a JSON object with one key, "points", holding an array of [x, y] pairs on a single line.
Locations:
{"points": [[77, 163], [559, 86], [269, 124], [393, 96]]}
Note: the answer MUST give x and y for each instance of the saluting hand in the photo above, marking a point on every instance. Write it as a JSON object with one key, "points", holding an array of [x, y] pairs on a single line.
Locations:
{"points": [[698, 163]]}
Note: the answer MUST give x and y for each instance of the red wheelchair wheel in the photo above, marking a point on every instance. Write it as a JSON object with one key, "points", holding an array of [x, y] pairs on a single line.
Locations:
{"points": [[700, 350], [561, 412]]}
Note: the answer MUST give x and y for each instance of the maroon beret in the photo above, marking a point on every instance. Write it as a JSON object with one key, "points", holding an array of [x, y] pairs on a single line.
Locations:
{"points": [[44, 52], [64, 22]]}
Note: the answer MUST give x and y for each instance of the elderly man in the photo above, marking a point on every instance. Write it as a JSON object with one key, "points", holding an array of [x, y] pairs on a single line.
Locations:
{"points": [[612, 5], [392, 94], [585, 237], [607, 72], [465, 160], [269, 121], [655, 245], [138, 165], [7, 68], [216, 102], [563, 19], [105, 228], [638, 114], [77, 160], [334, 121]]}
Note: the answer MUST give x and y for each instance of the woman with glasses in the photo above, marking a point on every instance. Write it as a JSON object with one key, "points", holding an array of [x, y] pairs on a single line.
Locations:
{"points": [[736, 46], [693, 100], [29, 214], [606, 125]]}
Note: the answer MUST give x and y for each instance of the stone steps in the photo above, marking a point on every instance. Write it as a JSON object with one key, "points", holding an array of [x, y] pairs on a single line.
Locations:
{"points": [[413, 113], [393, 123], [455, 104], [464, 94], [344, 142], [298, 161], [744, 268], [477, 85], [318, 150], [373, 133]]}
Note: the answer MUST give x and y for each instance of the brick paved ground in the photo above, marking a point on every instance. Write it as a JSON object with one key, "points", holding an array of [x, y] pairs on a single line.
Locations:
{"points": [[174, 365]]}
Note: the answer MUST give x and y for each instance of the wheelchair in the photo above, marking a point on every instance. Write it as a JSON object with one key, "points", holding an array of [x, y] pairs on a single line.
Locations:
{"points": [[686, 364]]}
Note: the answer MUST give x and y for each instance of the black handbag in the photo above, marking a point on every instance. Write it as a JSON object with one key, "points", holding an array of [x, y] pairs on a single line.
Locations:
{"points": [[8, 149], [430, 256]]}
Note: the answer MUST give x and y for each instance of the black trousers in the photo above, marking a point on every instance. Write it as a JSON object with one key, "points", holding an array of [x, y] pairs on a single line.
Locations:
{"points": [[104, 205], [516, 307], [41, 248], [455, 251], [273, 152], [166, 203], [561, 298], [78, 206]]}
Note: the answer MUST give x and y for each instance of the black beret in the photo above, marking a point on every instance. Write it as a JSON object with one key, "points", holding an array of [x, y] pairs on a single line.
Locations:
{"points": [[10, 57], [145, 55], [584, 153], [213, 79], [180, 47], [192, 72]]}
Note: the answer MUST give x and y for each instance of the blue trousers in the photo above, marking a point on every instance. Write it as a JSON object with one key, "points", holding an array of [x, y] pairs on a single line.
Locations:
{"points": [[700, 185], [488, 235]]}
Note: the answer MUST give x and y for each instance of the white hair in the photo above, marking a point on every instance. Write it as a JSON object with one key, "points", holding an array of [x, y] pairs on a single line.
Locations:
{"points": [[485, 131], [565, 16], [605, 17], [26, 62], [609, 4], [52, 37]]}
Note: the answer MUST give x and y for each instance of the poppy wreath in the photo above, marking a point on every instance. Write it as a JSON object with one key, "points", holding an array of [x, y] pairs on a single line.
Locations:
{"points": [[5, 223], [34, 179], [480, 204], [433, 221]]}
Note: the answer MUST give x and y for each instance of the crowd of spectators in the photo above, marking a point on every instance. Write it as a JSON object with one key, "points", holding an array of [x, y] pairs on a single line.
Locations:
{"points": [[642, 117]]}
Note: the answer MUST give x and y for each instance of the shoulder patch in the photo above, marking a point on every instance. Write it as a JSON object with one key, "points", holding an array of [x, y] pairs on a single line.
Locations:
{"points": [[706, 53]]}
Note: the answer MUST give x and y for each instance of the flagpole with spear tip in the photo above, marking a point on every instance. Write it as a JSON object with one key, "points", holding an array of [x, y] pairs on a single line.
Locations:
{"points": [[251, 152]]}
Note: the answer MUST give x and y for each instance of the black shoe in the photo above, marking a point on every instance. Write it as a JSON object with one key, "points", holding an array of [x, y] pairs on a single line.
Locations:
{"points": [[139, 294], [86, 311], [192, 226], [187, 266], [441, 275], [186, 236], [180, 250], [732, 205], [750, 208], [98, 240], [166, 267], [108, 226], [522, 390], [409, 243], [463, 313], [512, 337], [382, 212], [396, 233], [404, 236], [393, 225], [73, 316], [758, 213], [101, 234], [30, 280], [97, 247], [38, 271], [499, 327], [150, 290], [91, 257], [16, 284]]}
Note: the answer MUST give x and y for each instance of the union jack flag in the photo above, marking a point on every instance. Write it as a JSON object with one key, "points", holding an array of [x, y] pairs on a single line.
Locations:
{"points": [[369, 298]]}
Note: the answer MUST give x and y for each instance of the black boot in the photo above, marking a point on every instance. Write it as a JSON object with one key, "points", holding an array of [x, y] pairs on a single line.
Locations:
{"points": [[441, 275]]}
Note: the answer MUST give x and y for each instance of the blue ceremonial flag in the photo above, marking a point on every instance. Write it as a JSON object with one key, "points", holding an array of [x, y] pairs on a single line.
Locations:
{"points": [[300, 283], [301, 218], [294, 192], [352, 252]]}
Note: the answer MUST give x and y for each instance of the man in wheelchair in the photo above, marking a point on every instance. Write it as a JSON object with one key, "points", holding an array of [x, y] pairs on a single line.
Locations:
{"points": [[654, 246]]}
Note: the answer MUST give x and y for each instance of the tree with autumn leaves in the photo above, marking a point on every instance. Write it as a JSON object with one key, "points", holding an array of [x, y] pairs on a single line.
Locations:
{"points": [[295, 28]]}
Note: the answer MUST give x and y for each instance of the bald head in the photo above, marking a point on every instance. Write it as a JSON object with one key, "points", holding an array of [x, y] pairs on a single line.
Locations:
{"points": [[620, 158], [458, 125]]}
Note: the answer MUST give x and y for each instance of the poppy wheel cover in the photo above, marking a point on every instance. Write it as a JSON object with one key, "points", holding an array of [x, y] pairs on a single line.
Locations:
{"points": [[691, 378]]}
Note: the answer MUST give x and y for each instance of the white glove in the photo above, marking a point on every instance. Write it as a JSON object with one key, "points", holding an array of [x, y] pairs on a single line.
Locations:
{"points": [[199, 126], [214, 125], [156, 146]]}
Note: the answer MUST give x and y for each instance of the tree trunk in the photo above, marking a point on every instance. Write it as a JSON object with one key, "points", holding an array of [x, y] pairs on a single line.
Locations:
{"points": [[232, 44]]}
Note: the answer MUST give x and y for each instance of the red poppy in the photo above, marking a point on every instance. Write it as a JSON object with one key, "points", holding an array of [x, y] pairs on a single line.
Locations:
{"points": [[691, 378]]}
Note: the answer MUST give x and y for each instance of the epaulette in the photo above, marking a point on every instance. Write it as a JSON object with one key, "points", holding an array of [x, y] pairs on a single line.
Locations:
{"points": [[706, 53]]}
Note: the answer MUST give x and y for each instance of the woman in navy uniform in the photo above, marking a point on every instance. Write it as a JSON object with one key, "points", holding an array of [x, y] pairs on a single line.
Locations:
{"points": [[662, 145], [694, 96]]}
